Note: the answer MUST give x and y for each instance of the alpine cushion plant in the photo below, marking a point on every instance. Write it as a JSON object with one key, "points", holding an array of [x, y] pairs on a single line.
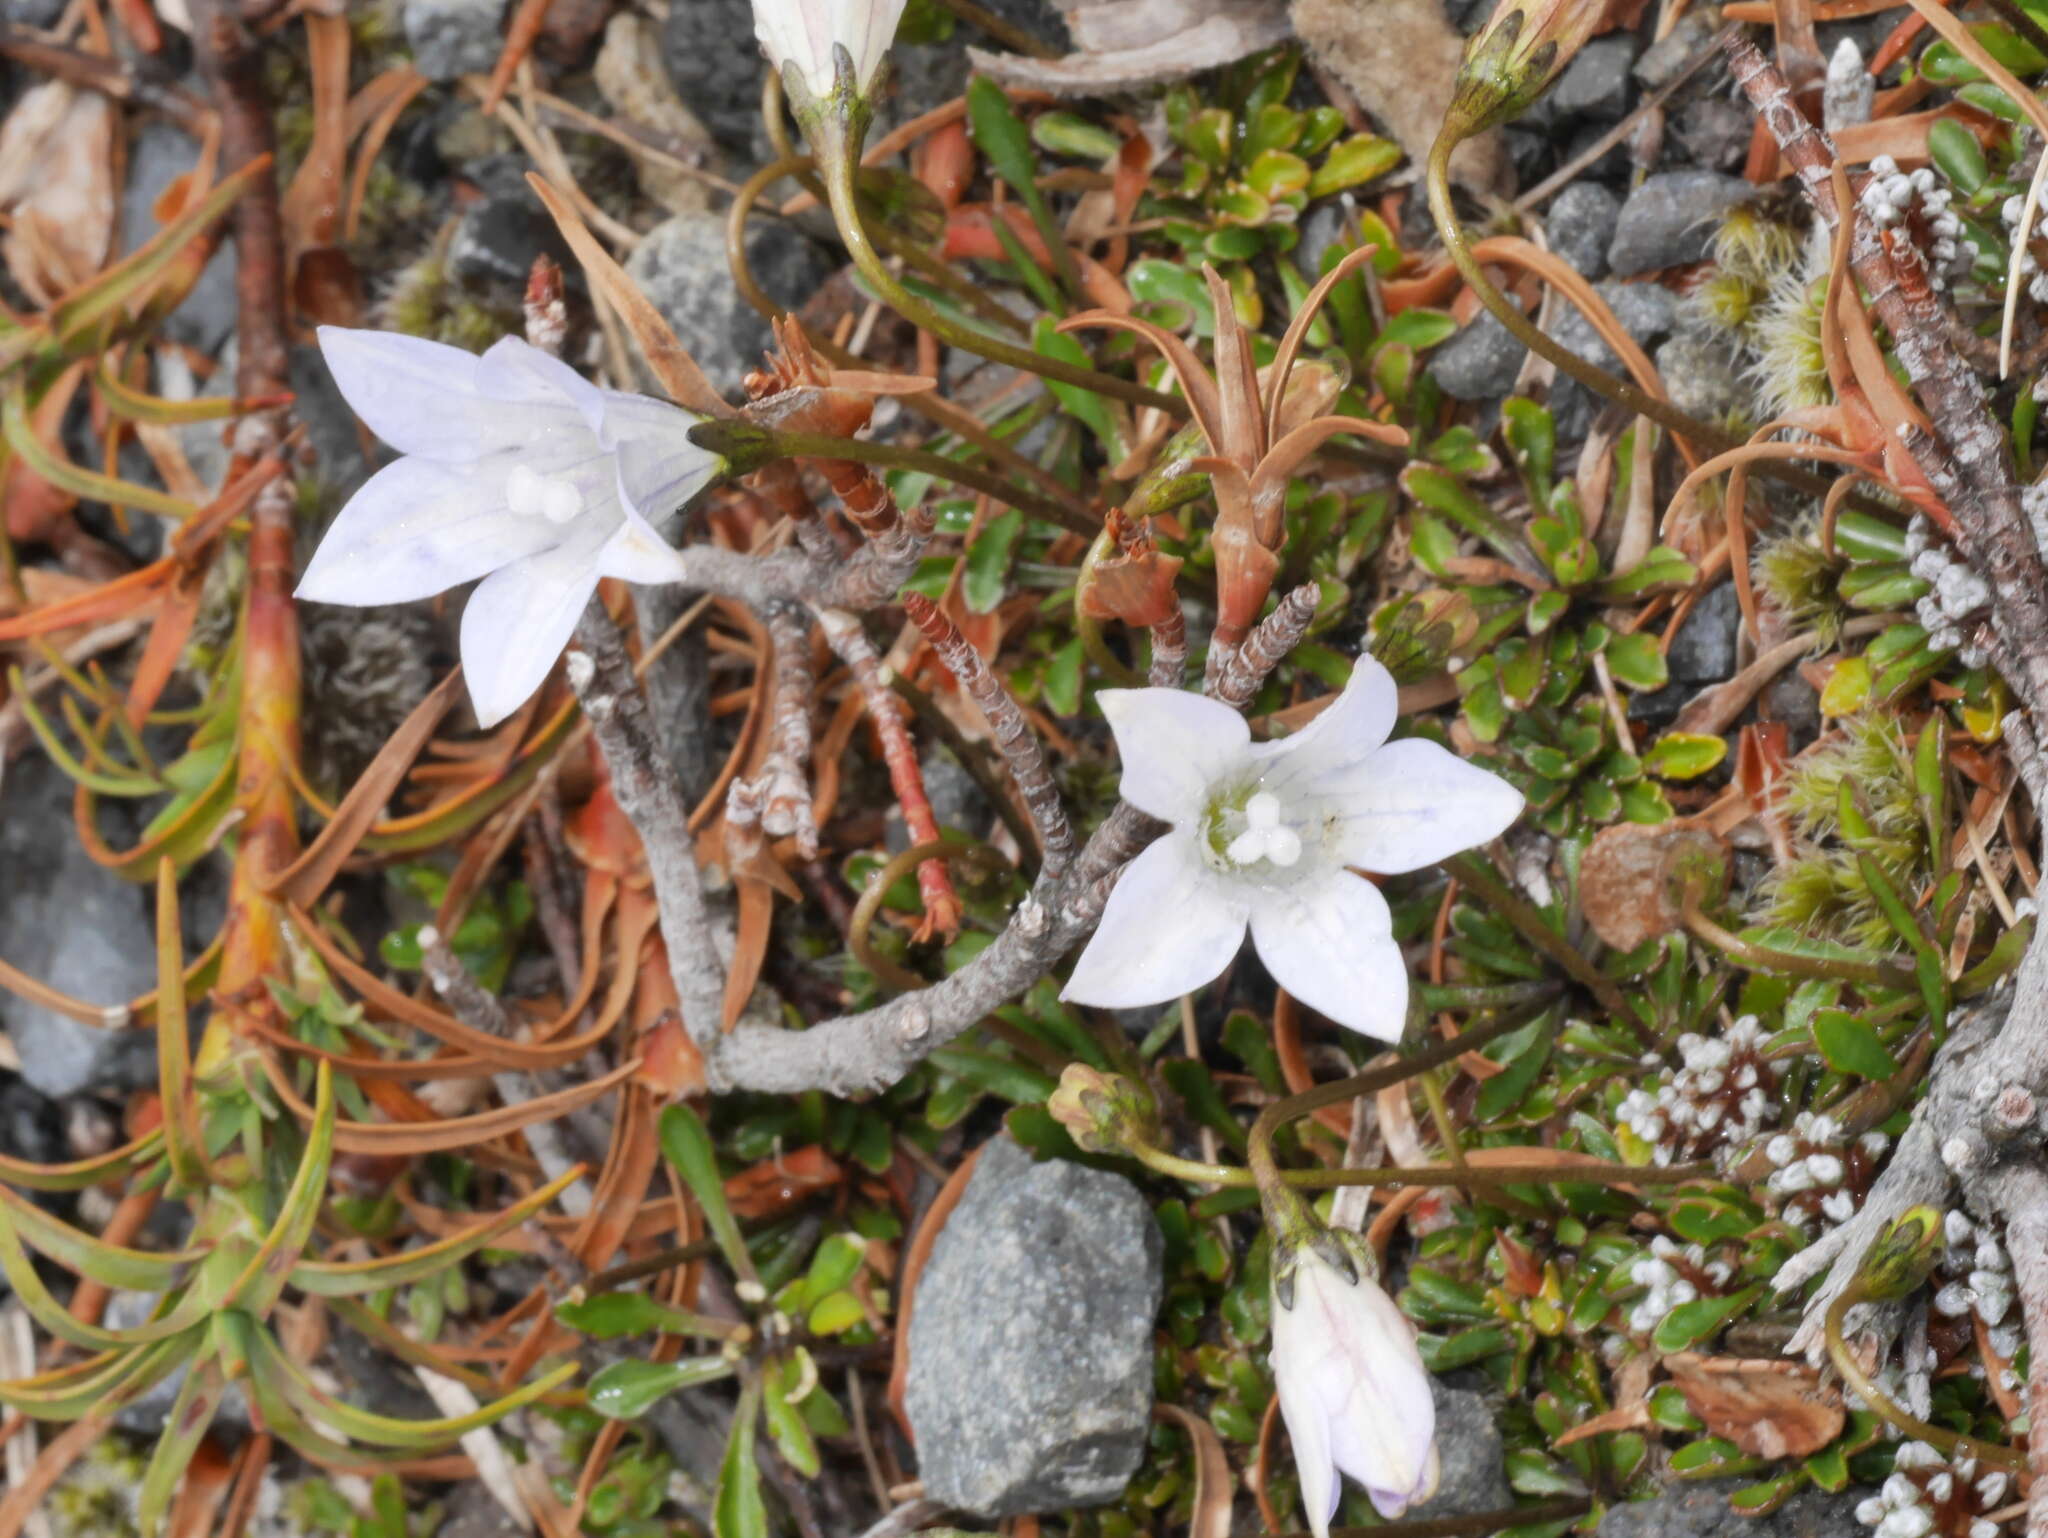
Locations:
{"points": [[516, 470], [1264, 836]]}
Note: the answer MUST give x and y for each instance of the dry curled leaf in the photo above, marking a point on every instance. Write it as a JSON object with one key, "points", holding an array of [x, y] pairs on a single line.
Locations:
{"points": [[1629, 884], [1120, 45], [1770, 1409], [58, 152]]}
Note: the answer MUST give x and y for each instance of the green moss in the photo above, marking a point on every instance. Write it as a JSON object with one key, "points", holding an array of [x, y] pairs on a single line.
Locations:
{"points": [[1798, 580]]}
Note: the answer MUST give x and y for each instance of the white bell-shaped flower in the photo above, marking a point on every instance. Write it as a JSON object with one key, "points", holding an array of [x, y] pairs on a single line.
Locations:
{"points": [[1354, 1393], [1264, 836], [806, 35], [517, 470]]}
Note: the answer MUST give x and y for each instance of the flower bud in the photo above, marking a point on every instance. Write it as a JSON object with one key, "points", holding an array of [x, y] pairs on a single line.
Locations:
{"points": [[824, 47], [1352, 1386], [1514, 57], [1104, 1113], [1902, 1256]]}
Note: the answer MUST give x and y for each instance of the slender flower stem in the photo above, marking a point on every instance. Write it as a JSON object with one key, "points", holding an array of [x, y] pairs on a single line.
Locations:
{"points": [[941, 413], [748, 446], [1890, 1411], [1768, 958], [1525, 331], [1287, 1182], [840, 167], [1477, 873]]}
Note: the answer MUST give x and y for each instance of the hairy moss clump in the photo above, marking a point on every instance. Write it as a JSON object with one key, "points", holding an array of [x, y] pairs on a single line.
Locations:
{"points": [[97, 1498], [1824, 890], [424, 300], [1798, 581]]}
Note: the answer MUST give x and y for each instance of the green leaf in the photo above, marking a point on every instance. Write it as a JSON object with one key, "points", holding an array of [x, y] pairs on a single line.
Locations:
{"points": [[1848, 1044], [1684, 755], [1419, 328], [786, 1424], [1085, 406], [1636, 661], [686, 1144], [737, 1510], [835, 1314], [1690, 1323], [987, 569], [627, 1390], [1358, 159]]}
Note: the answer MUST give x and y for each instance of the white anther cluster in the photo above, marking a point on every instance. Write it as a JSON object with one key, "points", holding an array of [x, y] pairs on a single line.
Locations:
{"points": [[1673, 1274], [1929, 1497], [2030, 267], [531, 494], [1819, 1174], [1892, 197], [1977, 1279], [1265, 836], [1721, 1096]]}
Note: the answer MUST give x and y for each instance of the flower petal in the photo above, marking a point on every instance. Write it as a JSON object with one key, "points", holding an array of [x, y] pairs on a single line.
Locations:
{"points": [[1348, 732], [1384, 1436], [1329, 941], [1414, 803], [636, 553], [1177, 747], [519, 619], [1169, 927], [443, 403], [659, 467], [1308, 1423], [418, 527]]}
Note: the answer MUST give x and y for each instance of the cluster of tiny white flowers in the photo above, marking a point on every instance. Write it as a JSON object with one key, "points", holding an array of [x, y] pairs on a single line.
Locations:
{"points": [[1979, 1281], [2030, 269], [1664, 1271], [1891, 196], [1818, 1172], [1923, 1487], [1958, 593], [1720, 1096]]}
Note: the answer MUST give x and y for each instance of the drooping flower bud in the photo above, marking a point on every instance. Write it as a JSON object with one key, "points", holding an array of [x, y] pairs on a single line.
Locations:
{"points": [[1353, 1390], [1104, 1113], [1513, 59], [824, 47]]}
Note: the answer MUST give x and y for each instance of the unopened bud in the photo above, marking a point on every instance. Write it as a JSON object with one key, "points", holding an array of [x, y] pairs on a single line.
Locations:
{"points": [[1104, 1113], [1514, 58], [1903, 1255]]}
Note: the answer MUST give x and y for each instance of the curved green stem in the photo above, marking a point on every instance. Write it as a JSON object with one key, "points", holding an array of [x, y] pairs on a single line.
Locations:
{"points": [[1622, 391], [941, 413], [1288, 1182], [1765, 958], [841, 167], [944, 850], [747, 446], [1889, 1410]]}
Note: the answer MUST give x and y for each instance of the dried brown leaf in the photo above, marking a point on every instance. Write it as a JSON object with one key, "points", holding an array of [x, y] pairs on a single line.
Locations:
{"points": [[1769, 1408], [1626, 884]]}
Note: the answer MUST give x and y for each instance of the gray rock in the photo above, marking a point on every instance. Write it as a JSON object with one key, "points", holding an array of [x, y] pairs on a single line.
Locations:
{"points": [[1663, 59], [157, 156], [1330, 221], [1471, 1456], [1702, 374], [1670, 219], [31, 1126], [1595, 84], [78, 928], [715, 65], [1713, 132], [497, 239], [681, 267], [454, 37], [1479, 363], [1701, 1510], [1646, 311], [1703, 651], [1581, 223], [1030, 1383], [32, 13]]}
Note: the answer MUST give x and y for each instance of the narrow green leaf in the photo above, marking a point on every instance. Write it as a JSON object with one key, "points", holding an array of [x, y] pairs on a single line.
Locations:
{"points": [[737, 1510], [686, 1144]]}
